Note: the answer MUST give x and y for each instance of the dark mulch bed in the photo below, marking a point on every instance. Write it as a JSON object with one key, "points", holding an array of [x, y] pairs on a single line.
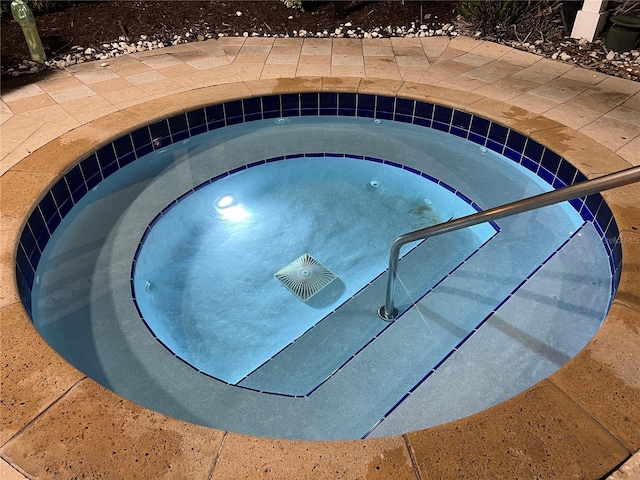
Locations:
{"points": [[90, 24]]}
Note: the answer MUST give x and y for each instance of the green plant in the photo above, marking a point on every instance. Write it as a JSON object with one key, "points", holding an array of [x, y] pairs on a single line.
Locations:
{"points": [[491, 16]]}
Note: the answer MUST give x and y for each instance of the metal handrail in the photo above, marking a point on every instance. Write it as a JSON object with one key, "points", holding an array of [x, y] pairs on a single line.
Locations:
{"points": [[624, 177]]}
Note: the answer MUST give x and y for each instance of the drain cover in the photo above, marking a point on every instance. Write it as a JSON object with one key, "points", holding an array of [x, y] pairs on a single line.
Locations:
{"points": [[305, 276]]}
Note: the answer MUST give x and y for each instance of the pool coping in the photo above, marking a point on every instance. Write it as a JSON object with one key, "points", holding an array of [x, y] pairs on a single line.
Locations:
{"points": [[579, 421]]}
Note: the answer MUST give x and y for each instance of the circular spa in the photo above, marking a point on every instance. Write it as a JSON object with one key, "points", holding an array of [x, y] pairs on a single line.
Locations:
{"points": [[226, 266]]}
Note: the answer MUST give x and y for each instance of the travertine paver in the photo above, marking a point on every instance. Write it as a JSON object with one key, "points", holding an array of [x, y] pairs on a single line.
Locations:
{"points": [[629, 471]]}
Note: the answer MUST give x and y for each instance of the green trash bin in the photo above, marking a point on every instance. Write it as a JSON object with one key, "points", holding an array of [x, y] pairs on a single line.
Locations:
{"points": [[624, 34]]}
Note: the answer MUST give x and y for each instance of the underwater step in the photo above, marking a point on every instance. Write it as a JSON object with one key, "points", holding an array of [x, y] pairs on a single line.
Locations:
{"points": [[465, 297], [307, 362], [544, 323]]}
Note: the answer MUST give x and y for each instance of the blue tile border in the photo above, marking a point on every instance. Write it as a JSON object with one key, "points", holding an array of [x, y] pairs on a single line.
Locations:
{"points": [[84, 176]]}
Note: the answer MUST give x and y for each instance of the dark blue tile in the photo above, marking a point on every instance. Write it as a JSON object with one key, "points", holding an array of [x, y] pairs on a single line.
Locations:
{"points": [[576, 203], [461, 119], [424, 110], [558, 183], [617, 250], [177, 125], [29, 275], [90, 166], [27, 240], [412, 170], [393, 164], [34, 257], [159, 133], [141, 137], [271, 104], [42, 239], [347, 104], [74, 179], [385, 107], [252, 106], [403, 118], [26, 300], [290, 105], [214, 114], [430, 178], [366, 113], [580, 177], [586, 214], [512, 154], [109, 170], [53, 221], [566, 172], [144, 150], [480, 126], [516, 141], [22, 288], [475, 138], [405, 107], [234, 120], [80, 192], [384, 115], [551, 160], [448, 187], [22, 260], [366, 103], [197, 121], [424, 122], [546, 175], [593, 202], [271, 114], [495, 146], [179, 136], [47, 206], [233, 109], [463, 197], [93, 181], [309, 103], [60, 192], [443, 127], [498, 133], [328, 103], [106, 156], [533, 150], [604, 215], [124, 161], [459, 132], [122, 146], [65, 207], [529, 164]]}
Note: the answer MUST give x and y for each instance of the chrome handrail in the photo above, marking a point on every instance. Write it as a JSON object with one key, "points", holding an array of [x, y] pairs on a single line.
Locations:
{"points": [[388, 311]]}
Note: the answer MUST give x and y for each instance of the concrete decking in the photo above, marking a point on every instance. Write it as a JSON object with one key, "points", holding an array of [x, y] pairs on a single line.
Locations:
{"points": [[582, 422]]}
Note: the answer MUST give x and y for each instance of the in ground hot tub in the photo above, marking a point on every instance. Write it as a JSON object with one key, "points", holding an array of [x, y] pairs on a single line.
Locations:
{"points": [[128, 266]]}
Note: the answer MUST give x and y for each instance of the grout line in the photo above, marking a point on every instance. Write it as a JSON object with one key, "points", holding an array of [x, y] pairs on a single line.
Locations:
{"points": [[42, 413], [217, 456], [11, 463], [414, 462], [588, 414]]}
